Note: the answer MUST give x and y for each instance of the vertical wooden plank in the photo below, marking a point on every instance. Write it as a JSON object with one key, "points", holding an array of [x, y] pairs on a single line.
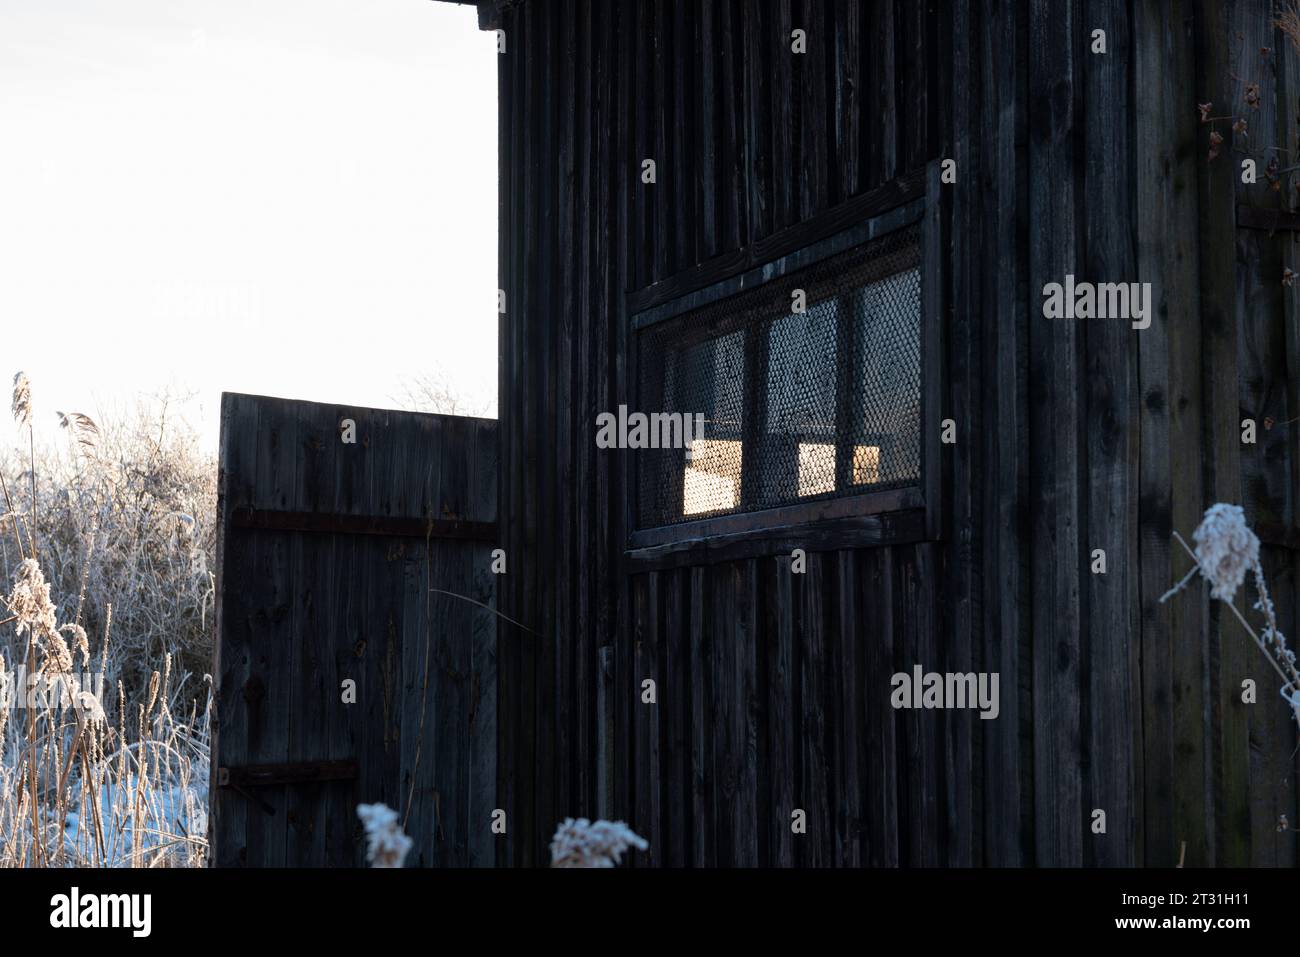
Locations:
{"points": [[849, 764], [814, 780], [652, 762], [935, 404], [422, 736], [674, 709], [707, 118], [641, 260], [885, 149], [561, 693], [419, 719], [1261, 342], [848, 110], [233, 665], [482, 718], [590, 115], [350, 580], [917, 642], [627, 217], [1215, 37], [660, 252], [722, 715], [377, 648], [1006, 648], [450, 667], [508, 271], [606, 261], [391, 490], [782, 769], [530, 830], [682, 126], [1175, 746], [757, 131], [703, 781], [275, 558], [814, 168], [1055, 435], [546, 392], [1289, 121], [338, 599], [747, 635], [784, 129], [954, 262], [911, 84], [880, 771], [310, 698], [1112, 656], [1267, 489], [731, 103], [1272, 732], [604, 761], [347, 582], [648, 768]]}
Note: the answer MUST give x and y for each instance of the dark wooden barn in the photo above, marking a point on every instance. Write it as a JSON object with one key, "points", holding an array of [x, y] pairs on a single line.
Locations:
{"points": [[918, 469]]}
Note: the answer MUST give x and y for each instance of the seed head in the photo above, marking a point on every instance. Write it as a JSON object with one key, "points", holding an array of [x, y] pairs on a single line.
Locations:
{"points": [[22, 402], [30, 600], [1226, 549], [582, 843], [386, 845]]}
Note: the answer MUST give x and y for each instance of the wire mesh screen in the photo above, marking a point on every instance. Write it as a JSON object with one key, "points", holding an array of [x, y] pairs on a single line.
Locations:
{"points": [[794, 405]]}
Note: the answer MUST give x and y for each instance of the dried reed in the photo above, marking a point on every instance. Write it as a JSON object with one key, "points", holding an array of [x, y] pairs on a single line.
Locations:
{"points": [[80, 785]]}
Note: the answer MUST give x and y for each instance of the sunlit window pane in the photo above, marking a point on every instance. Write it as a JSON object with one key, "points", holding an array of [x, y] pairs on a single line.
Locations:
{"points": [[866, 464], [710, 482], [816, 468]]}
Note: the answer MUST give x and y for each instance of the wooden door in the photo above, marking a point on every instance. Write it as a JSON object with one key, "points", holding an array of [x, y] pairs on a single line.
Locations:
{"points": [[356, 636]]}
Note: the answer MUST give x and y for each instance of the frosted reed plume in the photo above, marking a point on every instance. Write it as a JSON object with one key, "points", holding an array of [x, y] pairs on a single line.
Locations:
{"points": [[86, 779], [22, 400], [583, 843], [1226, 552], [386, 845], [82, 428]]}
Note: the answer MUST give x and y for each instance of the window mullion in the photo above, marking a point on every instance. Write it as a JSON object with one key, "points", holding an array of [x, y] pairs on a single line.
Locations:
{"points": [[754, 416], [846, 397]]}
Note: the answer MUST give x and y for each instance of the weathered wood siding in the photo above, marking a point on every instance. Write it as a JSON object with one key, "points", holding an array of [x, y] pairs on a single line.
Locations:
{"points": [[1072, 436], [328, 555]]}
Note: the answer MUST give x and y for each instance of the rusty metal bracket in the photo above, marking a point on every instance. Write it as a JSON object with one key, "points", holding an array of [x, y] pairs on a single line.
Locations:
{"points": [[386, 526], [241, 779], [272, 775], [1270, 220]]}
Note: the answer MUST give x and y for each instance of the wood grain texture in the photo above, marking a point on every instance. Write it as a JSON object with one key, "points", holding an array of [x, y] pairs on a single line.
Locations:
{"points": [[1056, 434], [1112, 696], [1222, 428], [303, 610], [1072, 435]]}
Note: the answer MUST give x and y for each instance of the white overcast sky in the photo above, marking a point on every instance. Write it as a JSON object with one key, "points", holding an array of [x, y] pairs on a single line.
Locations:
{"points": [[285, 197]]}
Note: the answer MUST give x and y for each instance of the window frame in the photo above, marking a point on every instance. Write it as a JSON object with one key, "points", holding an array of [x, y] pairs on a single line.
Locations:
{"points": [[901, 514]]}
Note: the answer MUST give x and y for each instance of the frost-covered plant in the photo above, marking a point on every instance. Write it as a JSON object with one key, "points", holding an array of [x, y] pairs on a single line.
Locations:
{"points": [[1226, 551], [386, 844], [583, 843], [30, 602], [81, 783], [121, 511]]}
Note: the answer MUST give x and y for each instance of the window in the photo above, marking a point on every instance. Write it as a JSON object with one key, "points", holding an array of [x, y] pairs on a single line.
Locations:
{"points": [[797, 406]]}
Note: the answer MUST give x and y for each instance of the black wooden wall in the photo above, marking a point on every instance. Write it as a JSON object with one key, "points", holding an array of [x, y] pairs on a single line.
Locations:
{"points": [[773, 688]]}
